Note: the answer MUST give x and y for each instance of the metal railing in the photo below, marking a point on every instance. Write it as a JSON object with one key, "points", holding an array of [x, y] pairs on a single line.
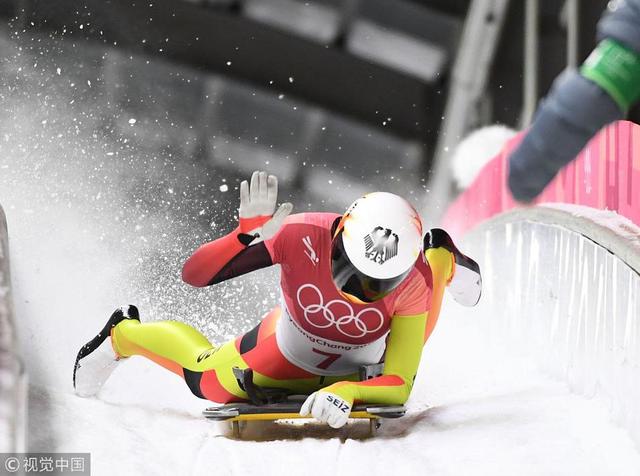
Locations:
{"points": [[530, 71], [469, 77], [471, 70], [13, 382], [531, 53]]}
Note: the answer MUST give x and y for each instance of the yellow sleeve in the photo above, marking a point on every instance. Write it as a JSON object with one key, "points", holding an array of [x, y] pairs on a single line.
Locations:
{"points": [[404, 349]]}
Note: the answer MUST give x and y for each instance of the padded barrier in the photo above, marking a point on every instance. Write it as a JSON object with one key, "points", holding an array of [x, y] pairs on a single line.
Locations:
{"points": [[605, 175]]}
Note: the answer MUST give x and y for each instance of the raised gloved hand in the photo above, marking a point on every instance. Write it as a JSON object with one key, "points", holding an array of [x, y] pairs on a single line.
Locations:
{"points": [[258, 215], [327, 407]]}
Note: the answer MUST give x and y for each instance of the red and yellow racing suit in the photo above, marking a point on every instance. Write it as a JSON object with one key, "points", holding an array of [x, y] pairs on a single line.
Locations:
{"points": [[314, 338]]}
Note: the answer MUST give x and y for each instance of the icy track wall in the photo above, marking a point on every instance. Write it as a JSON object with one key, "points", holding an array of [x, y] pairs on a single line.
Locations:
{"points": [[562, 280], [557, 291], [12, 376]]}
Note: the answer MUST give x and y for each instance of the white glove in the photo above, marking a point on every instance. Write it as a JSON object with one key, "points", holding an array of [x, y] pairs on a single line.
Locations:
{"points": [[259, 200], [327, 407]]}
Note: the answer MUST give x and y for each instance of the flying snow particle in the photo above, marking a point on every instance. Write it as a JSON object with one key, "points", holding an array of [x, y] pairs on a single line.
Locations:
{"points": [[224, 187], [58, 70], [132, 121], [228, 63], [291, 79]]}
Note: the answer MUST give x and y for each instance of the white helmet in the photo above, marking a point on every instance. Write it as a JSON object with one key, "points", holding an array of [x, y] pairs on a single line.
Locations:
{"points": [[375, 245]]}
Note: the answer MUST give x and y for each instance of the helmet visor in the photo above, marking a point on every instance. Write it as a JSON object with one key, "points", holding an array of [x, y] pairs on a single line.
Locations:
{"points": [[354, 283]]}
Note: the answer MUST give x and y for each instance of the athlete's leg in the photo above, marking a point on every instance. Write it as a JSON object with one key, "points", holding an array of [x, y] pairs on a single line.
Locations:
{"points": [[208, 370], [185, 351]]}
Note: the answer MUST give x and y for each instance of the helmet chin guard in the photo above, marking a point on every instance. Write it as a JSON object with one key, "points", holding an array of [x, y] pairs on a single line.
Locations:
{"points": [[375, 246]]}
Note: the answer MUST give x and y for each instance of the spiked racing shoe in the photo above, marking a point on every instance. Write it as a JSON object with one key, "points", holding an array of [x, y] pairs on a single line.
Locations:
{"points": [[96, 359]]}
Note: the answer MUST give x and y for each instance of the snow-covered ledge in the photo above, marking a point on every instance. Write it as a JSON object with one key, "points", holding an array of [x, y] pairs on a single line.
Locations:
{"points": [[12, 379], [562, 284]]}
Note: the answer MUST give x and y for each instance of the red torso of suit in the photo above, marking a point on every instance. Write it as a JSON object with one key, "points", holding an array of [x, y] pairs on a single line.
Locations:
{"points": [[316, 319]]}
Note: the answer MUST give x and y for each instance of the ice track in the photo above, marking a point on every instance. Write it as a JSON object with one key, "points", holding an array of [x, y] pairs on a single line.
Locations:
{"points": [[473, 412], [475, 409], [96, 222]]}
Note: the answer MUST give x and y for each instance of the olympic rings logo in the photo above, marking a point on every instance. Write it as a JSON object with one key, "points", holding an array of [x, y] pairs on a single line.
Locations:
{"points": [[347, 324]]}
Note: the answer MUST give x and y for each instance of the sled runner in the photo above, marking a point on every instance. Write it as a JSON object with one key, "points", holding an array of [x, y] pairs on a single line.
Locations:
{"points": [[271, 404], [239, 414]]}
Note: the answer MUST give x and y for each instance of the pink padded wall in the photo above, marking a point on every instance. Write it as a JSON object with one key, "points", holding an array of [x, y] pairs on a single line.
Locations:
{"points": [[606, 175]]}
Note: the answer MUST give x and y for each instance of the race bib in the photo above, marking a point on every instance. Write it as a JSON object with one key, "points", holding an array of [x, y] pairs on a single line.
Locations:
{"points": [[322, 356]]}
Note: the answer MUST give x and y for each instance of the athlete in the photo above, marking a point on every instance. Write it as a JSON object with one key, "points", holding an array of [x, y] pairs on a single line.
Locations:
{"points": [[356, 289]]}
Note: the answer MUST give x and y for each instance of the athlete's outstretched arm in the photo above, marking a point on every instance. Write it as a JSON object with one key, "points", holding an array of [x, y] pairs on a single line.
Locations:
{"points": [[404, 345], [212, 262], [402, 357], [404, 349], [224, 258]]}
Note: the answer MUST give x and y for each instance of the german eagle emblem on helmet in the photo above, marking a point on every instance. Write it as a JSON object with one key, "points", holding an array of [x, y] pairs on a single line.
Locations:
{"points": [[381, 245]]}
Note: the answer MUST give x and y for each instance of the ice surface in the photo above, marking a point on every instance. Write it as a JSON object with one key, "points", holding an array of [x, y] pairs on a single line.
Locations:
{"points": [[489, 413]]}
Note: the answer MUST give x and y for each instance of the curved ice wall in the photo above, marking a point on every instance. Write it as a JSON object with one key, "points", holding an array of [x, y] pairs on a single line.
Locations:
{"points": [[562, 278], [562, 285]]}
